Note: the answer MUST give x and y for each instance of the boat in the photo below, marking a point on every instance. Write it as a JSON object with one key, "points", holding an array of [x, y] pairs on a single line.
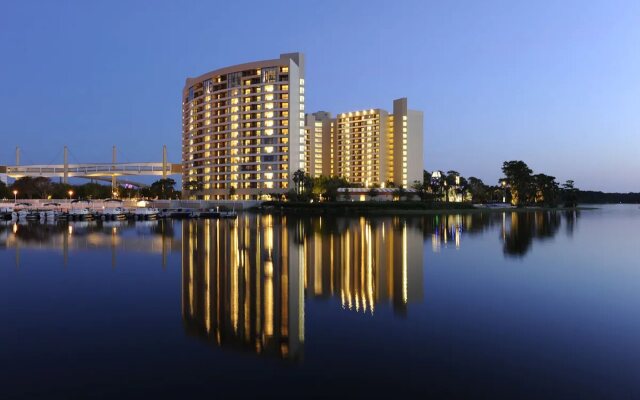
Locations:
{"points": [[80, 213], [52, 214], [146, 213], [114, 213]]}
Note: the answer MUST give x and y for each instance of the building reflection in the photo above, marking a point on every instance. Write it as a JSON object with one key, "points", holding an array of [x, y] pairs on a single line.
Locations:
{"points": [[364, 262], [242, 285], [244, 282]]}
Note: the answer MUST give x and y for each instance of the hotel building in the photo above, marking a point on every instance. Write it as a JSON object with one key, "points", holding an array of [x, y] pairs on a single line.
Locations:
{"points": [[243, 129], [367, 147], [319, 144]]}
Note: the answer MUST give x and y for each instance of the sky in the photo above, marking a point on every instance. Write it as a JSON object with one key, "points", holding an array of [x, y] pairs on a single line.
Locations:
{"points": [[553, 83]]}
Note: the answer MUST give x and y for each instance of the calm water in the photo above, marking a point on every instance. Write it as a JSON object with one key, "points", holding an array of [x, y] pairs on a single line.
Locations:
{"points": [[526, 305]]}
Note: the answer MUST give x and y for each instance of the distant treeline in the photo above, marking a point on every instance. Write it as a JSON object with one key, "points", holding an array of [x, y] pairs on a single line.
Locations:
{"points": [[592, 197]]}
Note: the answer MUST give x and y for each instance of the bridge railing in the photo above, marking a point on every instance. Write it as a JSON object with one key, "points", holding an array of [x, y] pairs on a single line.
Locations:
{"points": [[95, 169]]}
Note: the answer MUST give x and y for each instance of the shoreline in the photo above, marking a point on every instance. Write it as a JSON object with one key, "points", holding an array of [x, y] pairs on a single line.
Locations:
{"points": [[338, 209]]}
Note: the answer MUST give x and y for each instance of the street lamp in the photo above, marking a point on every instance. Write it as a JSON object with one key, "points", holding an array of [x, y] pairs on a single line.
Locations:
{"points": [[15, 196], [70, 194], [504, 191]]}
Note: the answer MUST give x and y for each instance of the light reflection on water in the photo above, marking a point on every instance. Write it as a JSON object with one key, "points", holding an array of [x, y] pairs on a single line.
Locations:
{"points": [[294, 288], [244, 281]]}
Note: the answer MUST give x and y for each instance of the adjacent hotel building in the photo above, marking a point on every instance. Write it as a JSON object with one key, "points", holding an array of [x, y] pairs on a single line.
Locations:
{"points": [[243, 129], [245, 132], [367, 147]]}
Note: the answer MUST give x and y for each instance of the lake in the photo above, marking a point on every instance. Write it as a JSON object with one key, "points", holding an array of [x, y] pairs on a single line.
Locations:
{"points": [[484, 305]]}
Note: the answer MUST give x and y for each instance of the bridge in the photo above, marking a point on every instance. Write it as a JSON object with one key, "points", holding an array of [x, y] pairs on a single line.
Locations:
{"points": [[98, 171]]}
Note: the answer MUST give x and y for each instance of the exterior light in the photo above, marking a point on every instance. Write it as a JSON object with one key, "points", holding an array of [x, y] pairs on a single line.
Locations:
{"points": [[15, 196]]}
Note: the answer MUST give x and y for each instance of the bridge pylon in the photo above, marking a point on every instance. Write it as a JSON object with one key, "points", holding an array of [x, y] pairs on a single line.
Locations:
{"points": [[114, 181], [65, 177]]}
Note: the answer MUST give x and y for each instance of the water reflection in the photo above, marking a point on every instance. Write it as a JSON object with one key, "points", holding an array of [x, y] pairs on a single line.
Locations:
{"points": [[245, 281], [364, 262], [242, 284], [518, 230], [118, 236]]}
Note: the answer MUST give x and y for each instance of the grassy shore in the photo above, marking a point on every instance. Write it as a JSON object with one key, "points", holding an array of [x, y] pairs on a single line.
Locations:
{"points": [[390, 208]]}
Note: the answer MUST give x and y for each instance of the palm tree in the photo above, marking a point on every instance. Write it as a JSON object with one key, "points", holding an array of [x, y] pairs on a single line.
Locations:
{"points": [[194, 186], [298, 178]]}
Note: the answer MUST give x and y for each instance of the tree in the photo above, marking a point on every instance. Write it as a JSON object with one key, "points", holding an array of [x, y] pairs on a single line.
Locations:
{"points": [[291, 195], [61, 190], [193, 186], [232, 192], [327, 187], [455, 185], [421, 188], [275, 196], [437, 184], [570, 194], [307, 185], [298, 178], [399, 193], [89, 190], [165, 188], [373, 193], [478, 190], [5, 193], [32, 188], [426, 177], [518, 177], [546, 189]]}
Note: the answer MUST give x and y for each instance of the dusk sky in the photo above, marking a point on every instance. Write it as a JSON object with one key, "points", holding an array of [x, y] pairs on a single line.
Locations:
{"points": [[553, 83]]}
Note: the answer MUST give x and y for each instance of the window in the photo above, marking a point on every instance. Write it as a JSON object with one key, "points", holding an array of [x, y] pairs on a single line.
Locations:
{"points": [[208, 86], [269, 75], [234, 79]]}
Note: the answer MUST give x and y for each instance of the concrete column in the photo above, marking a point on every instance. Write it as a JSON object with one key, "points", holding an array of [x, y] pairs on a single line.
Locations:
{"points": [[114, 182], [17, 156], [65, 178], [164, 161]]}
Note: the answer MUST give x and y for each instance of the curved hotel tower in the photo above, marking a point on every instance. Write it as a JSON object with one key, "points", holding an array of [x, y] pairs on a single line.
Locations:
{"points": [[243, 129]]}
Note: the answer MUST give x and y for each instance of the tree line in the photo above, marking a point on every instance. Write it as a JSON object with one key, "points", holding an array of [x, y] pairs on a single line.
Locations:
{"points": [[43, 188], [519, 186]]}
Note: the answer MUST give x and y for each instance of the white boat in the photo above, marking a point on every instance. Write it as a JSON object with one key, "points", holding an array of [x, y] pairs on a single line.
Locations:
{"points": [[80, 213], [146, 213], [114, 213]]}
